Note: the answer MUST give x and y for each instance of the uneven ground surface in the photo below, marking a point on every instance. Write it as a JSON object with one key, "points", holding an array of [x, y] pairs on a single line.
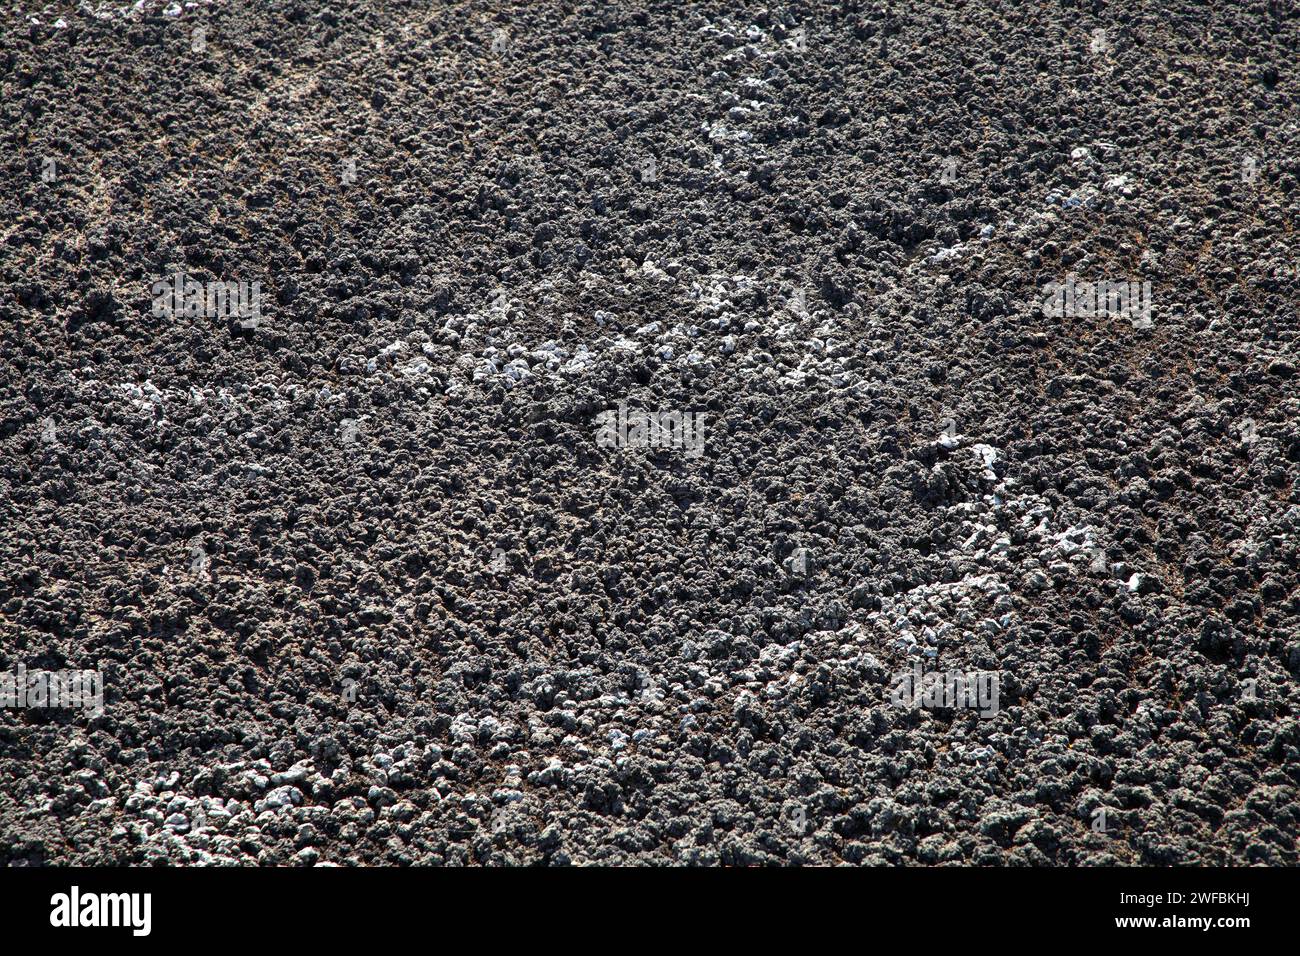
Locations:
{"points": [[280, 545]]}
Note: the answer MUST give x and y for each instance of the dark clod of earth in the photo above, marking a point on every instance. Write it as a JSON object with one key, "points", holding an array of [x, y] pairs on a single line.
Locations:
{"points": [[483, 433]]}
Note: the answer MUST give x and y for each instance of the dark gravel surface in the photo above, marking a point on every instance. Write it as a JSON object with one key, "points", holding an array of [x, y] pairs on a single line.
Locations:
{"points": [[363, 585]]}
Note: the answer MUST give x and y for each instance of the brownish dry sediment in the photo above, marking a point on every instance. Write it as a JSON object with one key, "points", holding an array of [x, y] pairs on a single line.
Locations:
{"points": [[370, 580]]}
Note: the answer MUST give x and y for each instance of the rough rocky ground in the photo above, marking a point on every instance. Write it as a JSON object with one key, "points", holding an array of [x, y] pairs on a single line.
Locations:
{"points": [[280, 544]]}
